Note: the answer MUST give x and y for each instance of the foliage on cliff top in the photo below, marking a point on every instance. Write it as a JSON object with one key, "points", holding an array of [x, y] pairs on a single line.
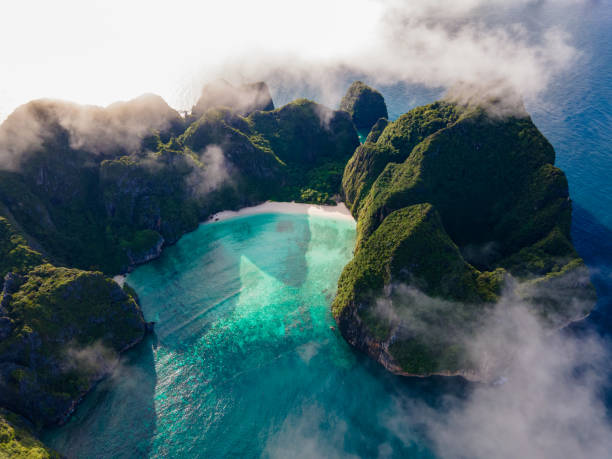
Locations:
{"points": [[66, 326], [503, 207], [365, 105], [485, 176], [411, 247], [392, 143], [15, 254], [17, 439]]}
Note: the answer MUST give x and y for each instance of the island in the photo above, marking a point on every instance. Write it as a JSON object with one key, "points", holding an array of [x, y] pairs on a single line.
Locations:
{"points": [[453, 206], [365, 105]]}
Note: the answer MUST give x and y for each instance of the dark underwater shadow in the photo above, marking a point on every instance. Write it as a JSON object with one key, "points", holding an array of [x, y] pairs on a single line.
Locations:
{"points": [[593, 241], [123, 402]]}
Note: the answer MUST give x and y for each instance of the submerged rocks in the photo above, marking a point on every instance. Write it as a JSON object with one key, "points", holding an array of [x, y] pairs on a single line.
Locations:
{"points": [[365, 105]]}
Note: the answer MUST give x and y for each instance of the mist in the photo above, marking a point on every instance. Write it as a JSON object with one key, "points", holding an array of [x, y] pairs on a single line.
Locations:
{"points": [[107, 51], [546, 404], [119, 127], [216, 171], [95, 359], [542, 399]]}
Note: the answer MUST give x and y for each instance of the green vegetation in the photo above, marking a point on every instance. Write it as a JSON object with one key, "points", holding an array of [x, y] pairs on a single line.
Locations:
{"points": [[411, 246], [17, 256], [313, 142], [106, 210], [66, 327], [391, 143], [61, 329], [450, 202], [17, 439], [365, 105]]}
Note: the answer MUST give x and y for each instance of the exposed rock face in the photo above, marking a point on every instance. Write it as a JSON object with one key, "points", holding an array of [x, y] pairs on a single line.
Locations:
{"points": [[365, 105], [62, 331], [149, 246], [453, 204], [106, 189], [242, 100], [92, 204]]}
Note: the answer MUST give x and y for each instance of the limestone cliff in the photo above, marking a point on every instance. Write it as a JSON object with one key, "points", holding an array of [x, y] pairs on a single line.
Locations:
{"points": [[365, 105], [453, 205]]}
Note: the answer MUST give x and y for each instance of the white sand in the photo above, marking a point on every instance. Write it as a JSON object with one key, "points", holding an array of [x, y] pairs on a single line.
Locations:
{"points": [[339, 212], [120, 279]]}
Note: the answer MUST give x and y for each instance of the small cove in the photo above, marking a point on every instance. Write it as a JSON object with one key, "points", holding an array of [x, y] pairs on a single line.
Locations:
{"points": [[245, 360]]}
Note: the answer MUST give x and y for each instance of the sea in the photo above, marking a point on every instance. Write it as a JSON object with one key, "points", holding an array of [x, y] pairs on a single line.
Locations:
{"points": [[246, 361]]}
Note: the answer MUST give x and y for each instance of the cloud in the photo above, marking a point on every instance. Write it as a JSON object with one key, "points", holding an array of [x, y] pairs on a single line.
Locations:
{"points": [[436, 44], [120, 126], [215, 171], [95, 359], [544, 399], [548, 406], [120, 50], [242, 99]]}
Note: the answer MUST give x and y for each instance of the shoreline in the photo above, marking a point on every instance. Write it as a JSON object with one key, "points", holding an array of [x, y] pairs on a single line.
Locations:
{"points": [[337, 212]]}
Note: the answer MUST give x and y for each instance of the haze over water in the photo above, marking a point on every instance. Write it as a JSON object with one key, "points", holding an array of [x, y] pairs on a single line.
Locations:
{"points": [[244, 362]]}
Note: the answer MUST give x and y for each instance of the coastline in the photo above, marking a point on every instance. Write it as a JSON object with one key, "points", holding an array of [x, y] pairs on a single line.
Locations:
{"points": [[338, 212]]}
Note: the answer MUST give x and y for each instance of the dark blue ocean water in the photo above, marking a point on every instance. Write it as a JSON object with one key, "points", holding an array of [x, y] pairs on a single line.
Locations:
{"points": [[244, 362]]}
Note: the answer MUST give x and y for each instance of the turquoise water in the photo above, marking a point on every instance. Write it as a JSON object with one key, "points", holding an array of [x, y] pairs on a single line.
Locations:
{"points": [[244, 361]]}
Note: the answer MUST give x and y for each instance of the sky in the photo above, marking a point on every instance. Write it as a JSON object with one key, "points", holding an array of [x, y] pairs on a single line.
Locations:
{"points": [[98, 52]]}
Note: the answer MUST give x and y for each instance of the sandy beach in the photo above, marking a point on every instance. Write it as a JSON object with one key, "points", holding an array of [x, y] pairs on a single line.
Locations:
{"points": [[336, 212], [120, 279]]}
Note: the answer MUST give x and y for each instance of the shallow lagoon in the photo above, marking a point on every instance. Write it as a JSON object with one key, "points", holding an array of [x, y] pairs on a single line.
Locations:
{"points": [[245, 361]]}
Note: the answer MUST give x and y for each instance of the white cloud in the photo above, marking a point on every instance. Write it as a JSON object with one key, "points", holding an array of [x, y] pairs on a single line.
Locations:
{"points": [[545, 400], [97, 52]]}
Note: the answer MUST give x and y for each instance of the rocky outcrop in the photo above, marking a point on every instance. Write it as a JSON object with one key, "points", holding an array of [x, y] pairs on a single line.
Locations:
{"points": [[61, 330], [147, 250], [69, 327], [242, 100], [365, 105], [452, 204]]}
